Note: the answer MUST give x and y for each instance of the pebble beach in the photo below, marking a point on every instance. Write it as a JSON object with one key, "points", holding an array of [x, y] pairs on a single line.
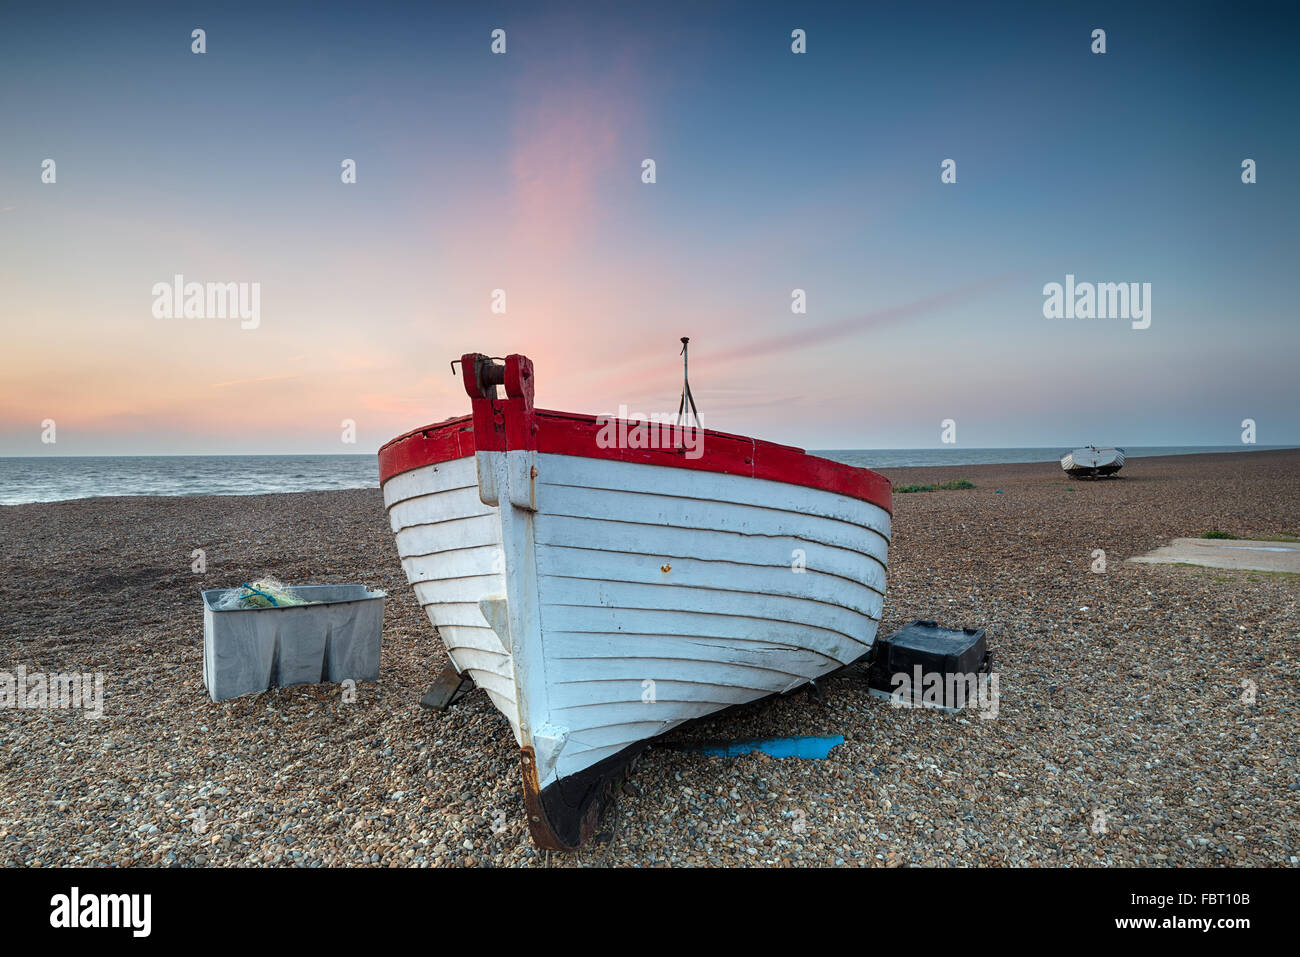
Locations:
{"points": [[1147, 713]]}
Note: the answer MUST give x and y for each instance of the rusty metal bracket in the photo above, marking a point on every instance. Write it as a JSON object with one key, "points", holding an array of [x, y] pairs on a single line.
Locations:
{"points": [[553, 826]]}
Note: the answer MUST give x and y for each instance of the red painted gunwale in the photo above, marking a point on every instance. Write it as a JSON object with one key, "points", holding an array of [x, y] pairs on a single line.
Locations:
{"points": [[564, 433]]}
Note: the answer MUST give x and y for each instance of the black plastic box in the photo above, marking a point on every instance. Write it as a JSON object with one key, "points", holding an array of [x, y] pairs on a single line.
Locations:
{"points": [[953, 654]]}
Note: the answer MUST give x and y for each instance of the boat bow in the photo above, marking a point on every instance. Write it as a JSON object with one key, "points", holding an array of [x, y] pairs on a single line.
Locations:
{"points": [[603, 590]]}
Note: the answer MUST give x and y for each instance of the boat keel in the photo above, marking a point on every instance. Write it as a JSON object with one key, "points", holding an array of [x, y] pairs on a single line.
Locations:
{"points": [[563, 815]]}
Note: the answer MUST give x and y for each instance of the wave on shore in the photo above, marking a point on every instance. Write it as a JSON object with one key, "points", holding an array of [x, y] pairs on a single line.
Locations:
{"points": [[59, 478]]}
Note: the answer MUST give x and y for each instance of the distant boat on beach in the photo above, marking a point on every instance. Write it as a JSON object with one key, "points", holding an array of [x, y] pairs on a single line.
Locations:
{"points": [[1090, 462], [603, 582]]}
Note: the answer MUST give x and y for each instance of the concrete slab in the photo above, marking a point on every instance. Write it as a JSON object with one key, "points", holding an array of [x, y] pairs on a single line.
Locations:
{"points": [[1228, 553]]}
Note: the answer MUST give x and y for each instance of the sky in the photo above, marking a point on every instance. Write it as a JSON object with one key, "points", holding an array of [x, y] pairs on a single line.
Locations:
{"points": [[774, 171]]}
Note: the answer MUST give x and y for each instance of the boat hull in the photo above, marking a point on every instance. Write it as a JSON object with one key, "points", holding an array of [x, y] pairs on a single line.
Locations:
{"points": [[1092, 462], [602, 596]]}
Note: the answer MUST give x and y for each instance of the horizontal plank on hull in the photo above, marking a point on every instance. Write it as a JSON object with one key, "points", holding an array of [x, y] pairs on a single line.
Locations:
{"points": [[461, 473], [640, 508], [459, 591], [670, 542], [621, 679], [589, 739], [489, 671], [490, 661], [614, 680], [585, 473], [580, 646], [501, 689], [585, 564], [609, 620], [446, 536], [581, 719], [452, 612], [462, 636], [607, 703], [436, 508], [485, 560], [573, 591], [582, 716], [599, 728], [679, 702]]}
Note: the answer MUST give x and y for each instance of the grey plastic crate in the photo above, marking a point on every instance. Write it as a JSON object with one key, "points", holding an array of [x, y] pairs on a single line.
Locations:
{"points": [[251, 649]]}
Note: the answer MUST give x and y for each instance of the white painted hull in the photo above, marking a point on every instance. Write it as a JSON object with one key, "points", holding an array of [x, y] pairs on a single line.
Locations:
{"points": [[602, 602], [1093, 461]]}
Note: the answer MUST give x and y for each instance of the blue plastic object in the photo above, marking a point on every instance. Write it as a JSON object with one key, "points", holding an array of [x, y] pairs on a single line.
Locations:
{"points": [[809, 747]]}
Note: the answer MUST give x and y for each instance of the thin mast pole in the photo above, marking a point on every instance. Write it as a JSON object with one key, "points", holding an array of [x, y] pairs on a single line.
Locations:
{"points": [[687, 398]]}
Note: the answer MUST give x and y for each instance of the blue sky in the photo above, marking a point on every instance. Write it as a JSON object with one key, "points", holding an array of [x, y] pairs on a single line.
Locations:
{"points": [[775, 171]]}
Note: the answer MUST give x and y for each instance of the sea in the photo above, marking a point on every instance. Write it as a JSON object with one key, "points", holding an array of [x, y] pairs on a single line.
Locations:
{"points": [[59, 478]]}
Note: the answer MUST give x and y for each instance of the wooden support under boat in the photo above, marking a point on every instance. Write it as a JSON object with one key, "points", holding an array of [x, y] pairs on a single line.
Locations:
{"points": [[448, 688]]}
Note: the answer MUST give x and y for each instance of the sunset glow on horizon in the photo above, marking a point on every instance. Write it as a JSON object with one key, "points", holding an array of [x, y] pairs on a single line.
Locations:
{"points": [[523, 172]]}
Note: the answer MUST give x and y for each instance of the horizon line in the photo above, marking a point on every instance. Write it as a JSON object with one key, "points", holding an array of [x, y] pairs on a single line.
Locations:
{"points": [[900, 448]]}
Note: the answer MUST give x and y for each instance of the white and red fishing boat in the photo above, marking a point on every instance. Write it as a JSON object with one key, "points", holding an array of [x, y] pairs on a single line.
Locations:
{"points": [[602, 590]]}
